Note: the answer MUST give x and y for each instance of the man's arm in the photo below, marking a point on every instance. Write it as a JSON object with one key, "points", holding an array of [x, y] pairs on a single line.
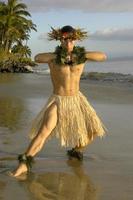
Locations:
{"points": [[95, 56], [44, 57]]}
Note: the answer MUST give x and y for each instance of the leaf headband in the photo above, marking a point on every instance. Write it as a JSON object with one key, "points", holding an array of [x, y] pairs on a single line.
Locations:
{"points": [[77, 34]]}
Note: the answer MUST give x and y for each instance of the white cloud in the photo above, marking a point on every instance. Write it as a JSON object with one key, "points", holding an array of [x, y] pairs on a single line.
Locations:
{"points": [[84, 5], [125, 34], [43, 36]]}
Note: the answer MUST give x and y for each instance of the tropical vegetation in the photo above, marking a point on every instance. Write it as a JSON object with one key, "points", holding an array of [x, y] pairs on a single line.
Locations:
{"points": [[15, 29]]}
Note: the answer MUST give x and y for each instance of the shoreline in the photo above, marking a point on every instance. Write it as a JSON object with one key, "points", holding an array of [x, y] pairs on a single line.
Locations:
{"points": [[109, 77]]}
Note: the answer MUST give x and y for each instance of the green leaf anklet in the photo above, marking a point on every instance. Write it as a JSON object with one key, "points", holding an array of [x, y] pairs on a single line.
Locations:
{"points": [[28, 160]]}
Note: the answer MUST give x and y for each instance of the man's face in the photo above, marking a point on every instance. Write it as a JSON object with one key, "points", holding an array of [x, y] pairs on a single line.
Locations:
{"points": [[68, 44]]}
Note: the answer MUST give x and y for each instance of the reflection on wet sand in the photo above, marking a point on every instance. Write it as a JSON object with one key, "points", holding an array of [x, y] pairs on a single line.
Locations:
{"points": [[11, 109], [2, 187], [62, 185], [9, 78]]}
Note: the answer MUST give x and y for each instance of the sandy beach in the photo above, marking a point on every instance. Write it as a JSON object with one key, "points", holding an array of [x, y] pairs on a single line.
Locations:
{"points": [[106, 171]]}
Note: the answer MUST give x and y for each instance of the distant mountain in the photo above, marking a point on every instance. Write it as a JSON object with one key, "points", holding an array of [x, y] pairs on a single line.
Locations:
{"points": [[120, 58]]}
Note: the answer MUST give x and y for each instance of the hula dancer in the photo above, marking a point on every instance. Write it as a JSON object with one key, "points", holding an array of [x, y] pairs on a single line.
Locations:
{"points": [[67, 114]]}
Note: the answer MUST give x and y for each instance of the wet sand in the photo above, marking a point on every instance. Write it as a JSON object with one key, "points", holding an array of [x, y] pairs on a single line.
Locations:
{"points": [[106, 171]]}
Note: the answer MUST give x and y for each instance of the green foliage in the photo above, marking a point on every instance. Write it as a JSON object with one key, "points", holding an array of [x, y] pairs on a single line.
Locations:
{"points": [[27, 61], [15, 24], [15, 28], [10, 62], [21, 51], [78, 55]]}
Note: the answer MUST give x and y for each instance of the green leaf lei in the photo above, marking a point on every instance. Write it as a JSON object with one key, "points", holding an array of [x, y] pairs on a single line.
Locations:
{"points": [[28, 160], [78, 56]]}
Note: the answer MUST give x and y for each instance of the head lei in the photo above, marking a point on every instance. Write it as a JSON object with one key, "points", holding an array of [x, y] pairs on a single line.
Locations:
{"points": [[67, 32]]}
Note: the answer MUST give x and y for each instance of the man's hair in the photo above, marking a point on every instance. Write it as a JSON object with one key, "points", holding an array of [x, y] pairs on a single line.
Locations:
{"points": [[67, 29]]}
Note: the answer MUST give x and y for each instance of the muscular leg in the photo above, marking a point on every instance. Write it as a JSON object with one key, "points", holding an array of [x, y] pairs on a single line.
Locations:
{"points": [[50, 120]]}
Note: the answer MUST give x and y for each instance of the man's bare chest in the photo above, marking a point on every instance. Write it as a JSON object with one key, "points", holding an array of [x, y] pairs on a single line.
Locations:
{"points": [[66, 68]]}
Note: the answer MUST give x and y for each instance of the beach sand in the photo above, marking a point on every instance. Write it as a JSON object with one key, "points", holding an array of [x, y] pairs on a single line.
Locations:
{"points": [[106, 171]]}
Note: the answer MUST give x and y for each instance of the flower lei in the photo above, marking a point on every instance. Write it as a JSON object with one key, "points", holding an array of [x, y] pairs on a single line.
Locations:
{"points": [[77, 57]]}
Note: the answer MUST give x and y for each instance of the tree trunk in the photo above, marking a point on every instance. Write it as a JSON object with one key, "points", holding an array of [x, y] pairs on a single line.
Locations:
{"points": [[6, 46]]}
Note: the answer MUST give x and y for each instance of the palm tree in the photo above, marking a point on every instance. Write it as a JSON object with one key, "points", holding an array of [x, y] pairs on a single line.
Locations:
{"points": [[2, 21], [14, 25], [21, 51]]}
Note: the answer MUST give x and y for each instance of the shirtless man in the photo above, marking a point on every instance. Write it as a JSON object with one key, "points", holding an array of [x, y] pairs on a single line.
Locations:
{"points": [[65, 71]]}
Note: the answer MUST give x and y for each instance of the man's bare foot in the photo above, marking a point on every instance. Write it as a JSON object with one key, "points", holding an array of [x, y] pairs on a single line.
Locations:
{"points": [[22, 168]]}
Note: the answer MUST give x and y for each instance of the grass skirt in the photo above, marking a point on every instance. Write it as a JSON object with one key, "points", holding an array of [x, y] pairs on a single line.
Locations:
{"points": [[77, 122]]}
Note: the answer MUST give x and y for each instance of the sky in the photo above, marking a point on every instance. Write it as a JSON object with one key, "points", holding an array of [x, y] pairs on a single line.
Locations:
{"points": [[109, 24]]}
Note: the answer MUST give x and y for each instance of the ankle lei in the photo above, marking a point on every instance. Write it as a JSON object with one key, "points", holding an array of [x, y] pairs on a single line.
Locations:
{"points": [[28, 160], [77, 56]]}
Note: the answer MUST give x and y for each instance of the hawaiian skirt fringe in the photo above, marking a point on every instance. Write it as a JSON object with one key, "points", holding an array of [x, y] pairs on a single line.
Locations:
{"points": [[77, 122]]}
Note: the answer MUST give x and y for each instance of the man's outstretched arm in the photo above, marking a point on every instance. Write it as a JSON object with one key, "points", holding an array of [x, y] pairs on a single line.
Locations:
{"points": [[96, 56], [44, 57]]}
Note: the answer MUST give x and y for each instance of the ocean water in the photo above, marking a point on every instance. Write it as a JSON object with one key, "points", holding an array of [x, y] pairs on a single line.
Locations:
{"points": [[116, 66], [124, 67]]}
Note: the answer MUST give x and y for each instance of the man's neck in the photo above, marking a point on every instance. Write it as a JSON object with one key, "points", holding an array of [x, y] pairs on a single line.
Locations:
{"points": [[68, 51]]}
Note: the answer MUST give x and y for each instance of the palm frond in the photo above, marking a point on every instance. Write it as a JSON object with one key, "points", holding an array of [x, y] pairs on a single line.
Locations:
{"points": [[23, 13]]}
